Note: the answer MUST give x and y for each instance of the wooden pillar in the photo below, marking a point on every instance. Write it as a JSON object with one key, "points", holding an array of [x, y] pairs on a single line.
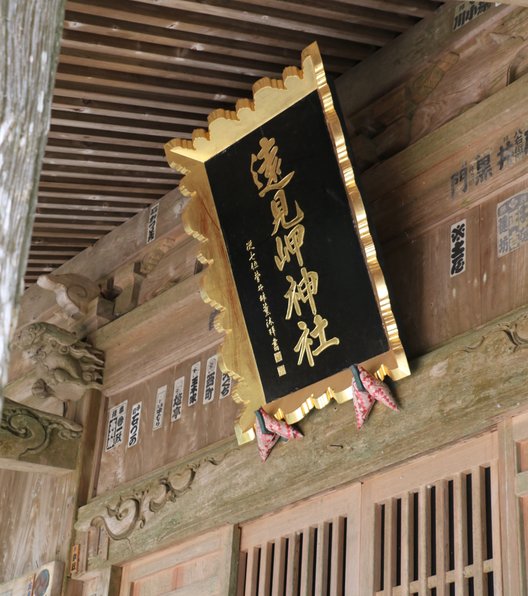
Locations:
{"points": [[30, 33], [32, 441]]}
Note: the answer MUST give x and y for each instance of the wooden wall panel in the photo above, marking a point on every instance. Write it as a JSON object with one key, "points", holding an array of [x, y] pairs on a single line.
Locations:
{"points": [[200, 425], [433, 306], [37, 521], [203, 566], [448, 143]]}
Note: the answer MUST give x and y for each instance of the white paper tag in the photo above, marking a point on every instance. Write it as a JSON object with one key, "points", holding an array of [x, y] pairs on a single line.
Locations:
{"points": [[210, 379], [225, 386], [135, 418], [152, 222], [115, 426], [177, 399], [194, 384], [458, 248], [159, 408]]}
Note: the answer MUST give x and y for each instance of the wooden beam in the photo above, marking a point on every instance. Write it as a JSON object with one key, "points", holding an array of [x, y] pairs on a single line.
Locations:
{"points": [[421, 44], [458, 391], [32, 441], [111, 252], [29, 46]]}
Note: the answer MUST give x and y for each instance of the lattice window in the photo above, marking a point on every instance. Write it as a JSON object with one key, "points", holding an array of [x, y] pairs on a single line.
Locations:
{"points": [[309, 549], [436, 525]]}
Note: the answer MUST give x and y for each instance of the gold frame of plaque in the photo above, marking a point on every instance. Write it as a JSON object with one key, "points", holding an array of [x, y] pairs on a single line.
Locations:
{"points": [[237, 357]]}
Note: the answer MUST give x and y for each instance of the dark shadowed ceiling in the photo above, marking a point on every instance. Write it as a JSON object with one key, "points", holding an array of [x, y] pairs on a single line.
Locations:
{"points": [[135, 73]]}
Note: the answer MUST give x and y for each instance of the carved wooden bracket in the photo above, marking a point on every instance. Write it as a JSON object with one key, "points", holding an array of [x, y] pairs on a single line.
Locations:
{"points": [[73, 292], [33, 440]]}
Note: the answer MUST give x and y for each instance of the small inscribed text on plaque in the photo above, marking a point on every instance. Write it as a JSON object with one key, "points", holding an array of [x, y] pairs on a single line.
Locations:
{"points": [[225, 386], [512, 223], [152, 222], [159, 408], [210, 379], [194, 384], [135, 418], [458, 248], [177, 399], [116, 425]]}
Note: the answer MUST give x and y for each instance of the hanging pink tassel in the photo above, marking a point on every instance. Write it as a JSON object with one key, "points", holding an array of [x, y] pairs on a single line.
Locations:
{"points": [[269, 430]]}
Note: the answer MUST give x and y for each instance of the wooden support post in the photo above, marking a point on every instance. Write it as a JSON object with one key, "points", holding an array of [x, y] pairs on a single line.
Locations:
{"points": [[30, 35], [32, 441]]}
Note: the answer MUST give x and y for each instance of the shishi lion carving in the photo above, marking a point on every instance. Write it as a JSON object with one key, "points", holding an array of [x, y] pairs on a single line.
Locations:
{"points": [[66, 366]]}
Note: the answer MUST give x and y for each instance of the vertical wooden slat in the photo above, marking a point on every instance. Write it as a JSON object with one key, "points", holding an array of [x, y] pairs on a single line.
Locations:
{"points": [[242, 566], [337, 556], [359, 555], [374, 530], [459, 487], [498, 557], [441, 537], [292, 568], [509, 514], [406, 533], [390, 550], [424, 538], [321, 566], [252, 571], [266, 563], [477, 489], [279, 567], [307, 562]]}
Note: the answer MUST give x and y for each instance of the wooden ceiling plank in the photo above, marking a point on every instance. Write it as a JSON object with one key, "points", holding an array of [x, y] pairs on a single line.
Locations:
{"points": [[141, 126], [73, 238], [102, 151], [222, 32], [58, 196], [50, 252], [133, 82], [59, 218], [96, 158], [106, 165], [335, 10], [68, 228], [97, 108], [82, 135], [200, 60], [145, 99], [103, 207], [78, 175], [416, 8], [159, 70], [44, 241], [155, 191], [234, 13]]}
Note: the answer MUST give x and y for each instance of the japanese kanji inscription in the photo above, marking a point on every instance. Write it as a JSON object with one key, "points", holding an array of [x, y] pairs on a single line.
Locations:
{"points": [[293, 268]]}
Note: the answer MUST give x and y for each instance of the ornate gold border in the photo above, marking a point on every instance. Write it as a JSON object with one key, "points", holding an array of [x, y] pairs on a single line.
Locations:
{"points": [[271, 97]]}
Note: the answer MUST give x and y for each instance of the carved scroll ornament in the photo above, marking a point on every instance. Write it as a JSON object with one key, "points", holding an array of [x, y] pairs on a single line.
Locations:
{"points": [[29, 431], [132, 510]]}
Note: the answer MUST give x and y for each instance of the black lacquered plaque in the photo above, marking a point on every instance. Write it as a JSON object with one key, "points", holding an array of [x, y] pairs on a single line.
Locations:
{"points": [[303, 284]]}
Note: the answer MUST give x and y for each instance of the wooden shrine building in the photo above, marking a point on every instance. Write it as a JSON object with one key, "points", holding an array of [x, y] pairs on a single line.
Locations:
{"points": [[120, 468]]}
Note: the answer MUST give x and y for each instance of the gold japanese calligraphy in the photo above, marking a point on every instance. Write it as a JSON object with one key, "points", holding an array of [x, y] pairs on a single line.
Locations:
{"points": [[289, 245]]}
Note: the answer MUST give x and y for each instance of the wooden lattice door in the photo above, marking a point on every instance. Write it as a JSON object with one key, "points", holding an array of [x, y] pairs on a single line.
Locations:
{"points": [[432, 527]]}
